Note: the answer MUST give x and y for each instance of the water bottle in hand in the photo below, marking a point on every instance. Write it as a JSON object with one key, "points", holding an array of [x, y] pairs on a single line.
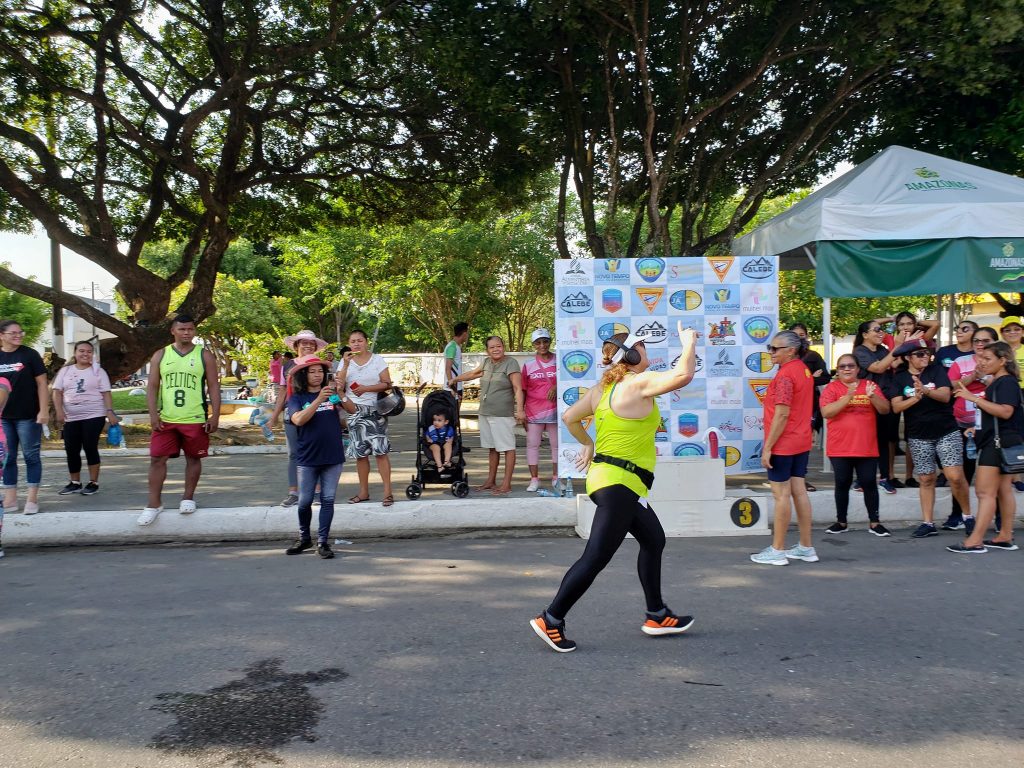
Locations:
{"points": [[264, 423], [971, 448]]}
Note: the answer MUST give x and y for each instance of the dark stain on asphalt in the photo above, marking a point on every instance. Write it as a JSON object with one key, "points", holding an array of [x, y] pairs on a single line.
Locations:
{"points": [[242, 722]]}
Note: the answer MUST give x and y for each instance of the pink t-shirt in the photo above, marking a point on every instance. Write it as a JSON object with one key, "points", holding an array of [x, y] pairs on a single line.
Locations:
{"points": [[964, 410], [276, 372], [83, 388], [538, 381]]}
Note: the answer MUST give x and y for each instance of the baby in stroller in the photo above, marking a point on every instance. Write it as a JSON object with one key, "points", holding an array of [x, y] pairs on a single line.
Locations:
{"points": [[440, 437], [439, 447]]}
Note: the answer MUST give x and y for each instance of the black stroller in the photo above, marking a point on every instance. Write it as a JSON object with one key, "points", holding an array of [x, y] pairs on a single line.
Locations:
{"points": [[427, 471]]}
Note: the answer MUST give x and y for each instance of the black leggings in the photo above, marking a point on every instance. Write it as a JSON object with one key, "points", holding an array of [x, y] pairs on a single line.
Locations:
{"points": [[618, 512], [844, 467], [79, 436]]}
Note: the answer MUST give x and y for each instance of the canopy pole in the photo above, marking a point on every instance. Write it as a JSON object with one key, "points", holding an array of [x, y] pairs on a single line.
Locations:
{"points": [[826, 340], [953, 322]]}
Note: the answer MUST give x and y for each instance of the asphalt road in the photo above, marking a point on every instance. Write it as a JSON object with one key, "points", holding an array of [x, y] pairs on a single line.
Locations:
{"points": [[889, 652]]}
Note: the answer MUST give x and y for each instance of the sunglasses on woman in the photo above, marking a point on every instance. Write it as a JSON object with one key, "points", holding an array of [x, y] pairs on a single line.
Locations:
{"points": [[846, 366], [776, 349], [922, 353]]}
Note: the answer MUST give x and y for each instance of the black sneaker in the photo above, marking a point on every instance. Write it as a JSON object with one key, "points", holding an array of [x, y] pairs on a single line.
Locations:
{"points": [[299, 547], [923, 530], [969, 526], [911, 482], [953, 523], [857, 488], [837, 528], [324, 550], [879, 530], [962, 549], [897, 483], [70, 488], [1009, 546], [90, 489], [669, 624], [552, 634], [810, 488]]}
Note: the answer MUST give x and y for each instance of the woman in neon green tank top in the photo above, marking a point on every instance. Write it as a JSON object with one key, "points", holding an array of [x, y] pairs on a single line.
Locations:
{"points": [[621, 470]]}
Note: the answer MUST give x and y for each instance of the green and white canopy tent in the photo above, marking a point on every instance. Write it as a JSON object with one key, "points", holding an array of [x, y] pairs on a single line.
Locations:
{"points": [[902, 223]]}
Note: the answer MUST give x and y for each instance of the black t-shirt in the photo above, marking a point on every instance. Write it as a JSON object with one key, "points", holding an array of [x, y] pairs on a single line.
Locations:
{"points": [[1006, 391], [928, 419], [866, 357], [948, 355], [21, 368]]}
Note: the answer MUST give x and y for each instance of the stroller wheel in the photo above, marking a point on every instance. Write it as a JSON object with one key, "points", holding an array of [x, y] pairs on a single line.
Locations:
{"points": [[460, 489], [414, 491]]}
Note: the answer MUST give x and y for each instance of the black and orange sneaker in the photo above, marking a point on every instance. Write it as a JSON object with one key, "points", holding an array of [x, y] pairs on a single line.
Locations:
{"points": [[552, 634], [669, 624]]}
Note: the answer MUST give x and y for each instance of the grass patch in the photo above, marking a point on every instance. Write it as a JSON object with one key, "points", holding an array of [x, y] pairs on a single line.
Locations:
{"points": [[128, 403]]}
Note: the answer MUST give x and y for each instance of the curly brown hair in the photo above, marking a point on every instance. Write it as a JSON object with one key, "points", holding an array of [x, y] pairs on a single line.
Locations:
{"points": [[617, 372]]}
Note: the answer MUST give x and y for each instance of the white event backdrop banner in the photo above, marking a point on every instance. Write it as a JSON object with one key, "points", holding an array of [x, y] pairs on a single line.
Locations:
{"points": [[732, 302]]}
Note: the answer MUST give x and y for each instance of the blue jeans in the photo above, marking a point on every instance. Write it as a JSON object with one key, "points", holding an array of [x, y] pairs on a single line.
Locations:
{"points": [[291, 436], [327, 476], [29, 435]]}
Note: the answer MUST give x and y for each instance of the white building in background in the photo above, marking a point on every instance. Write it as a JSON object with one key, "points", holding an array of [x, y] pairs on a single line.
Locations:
{"points": [[75, 330]]}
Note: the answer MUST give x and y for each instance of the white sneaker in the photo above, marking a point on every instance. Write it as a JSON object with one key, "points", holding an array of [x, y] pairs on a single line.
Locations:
{"points": [[187, 507], [149, 514], [770, 556], [31, 508], [1, 553], [799, 552], [533, 486]]}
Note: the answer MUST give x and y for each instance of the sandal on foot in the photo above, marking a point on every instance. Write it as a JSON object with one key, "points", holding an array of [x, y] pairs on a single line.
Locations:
{"points": [[358, 499], [388, 501]]}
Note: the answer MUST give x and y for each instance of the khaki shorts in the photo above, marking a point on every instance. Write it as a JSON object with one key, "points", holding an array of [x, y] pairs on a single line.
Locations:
{"points": [[498, 432]]}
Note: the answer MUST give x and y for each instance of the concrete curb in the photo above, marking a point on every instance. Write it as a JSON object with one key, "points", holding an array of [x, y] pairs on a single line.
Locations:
{"points": [[404, 520], [215, 450]]}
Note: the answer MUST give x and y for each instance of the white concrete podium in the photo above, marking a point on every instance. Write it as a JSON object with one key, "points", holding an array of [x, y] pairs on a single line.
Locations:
{"points": [[690, 499]]}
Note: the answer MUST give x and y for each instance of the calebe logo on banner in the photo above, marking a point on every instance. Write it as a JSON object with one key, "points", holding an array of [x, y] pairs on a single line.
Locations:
{"points": [[652, 332], [576, 303], [760, 268]]}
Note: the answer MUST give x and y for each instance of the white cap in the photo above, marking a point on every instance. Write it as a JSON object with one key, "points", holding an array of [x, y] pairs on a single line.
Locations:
{"points": [[540, 333]]}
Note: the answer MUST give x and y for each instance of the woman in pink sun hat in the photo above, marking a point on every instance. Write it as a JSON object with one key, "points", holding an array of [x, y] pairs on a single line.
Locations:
{"points": [[306, 344]]}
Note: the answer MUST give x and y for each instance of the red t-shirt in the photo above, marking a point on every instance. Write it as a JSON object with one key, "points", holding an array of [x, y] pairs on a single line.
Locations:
{"points": [[792, 386], [853, 432]]}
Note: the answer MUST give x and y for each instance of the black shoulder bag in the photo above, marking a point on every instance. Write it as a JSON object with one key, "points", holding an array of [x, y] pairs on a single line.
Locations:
{"points": [[1011, 458]]}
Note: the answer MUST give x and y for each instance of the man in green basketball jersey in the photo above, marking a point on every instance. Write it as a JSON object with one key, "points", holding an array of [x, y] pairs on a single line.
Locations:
{"points": [[183, 382]]}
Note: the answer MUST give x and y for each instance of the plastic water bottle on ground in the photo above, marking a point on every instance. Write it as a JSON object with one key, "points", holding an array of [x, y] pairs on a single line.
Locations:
{"points": [[567, 490], [255, 413], [545, 492]]}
